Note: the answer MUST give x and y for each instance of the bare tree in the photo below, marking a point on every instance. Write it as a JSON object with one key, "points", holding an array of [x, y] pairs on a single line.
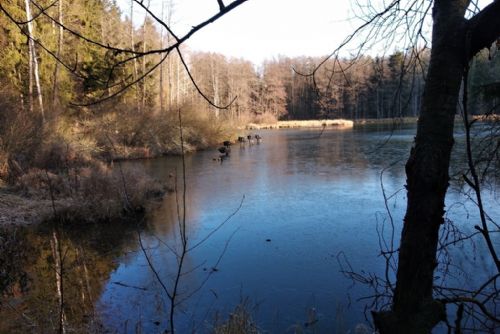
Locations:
{"points": [[60, 42], [33, 62], [459, 31]]}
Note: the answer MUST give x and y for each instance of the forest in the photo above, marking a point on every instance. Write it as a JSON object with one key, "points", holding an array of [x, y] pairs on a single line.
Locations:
{"points": [[85, 90]]}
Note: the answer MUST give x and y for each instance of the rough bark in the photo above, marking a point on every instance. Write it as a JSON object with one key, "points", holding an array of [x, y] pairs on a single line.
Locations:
{"points": [[33, 61], [414, 310], [132, 47], [161, 66], [58, 53]]}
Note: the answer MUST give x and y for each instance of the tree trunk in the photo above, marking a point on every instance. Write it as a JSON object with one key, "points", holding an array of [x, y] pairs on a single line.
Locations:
{"points": [[414, 310], [132, 47], [143, 65], [33, 62], [58, 54], [30, 61], [215, 85], [161, 65]]}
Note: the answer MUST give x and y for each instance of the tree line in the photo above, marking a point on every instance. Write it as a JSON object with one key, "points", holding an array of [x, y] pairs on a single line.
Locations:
{"points": [[360, 87]]}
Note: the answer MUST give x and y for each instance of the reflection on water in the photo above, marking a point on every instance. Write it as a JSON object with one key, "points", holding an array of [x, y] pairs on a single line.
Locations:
{"points": [[87, 254], [306, 198]]}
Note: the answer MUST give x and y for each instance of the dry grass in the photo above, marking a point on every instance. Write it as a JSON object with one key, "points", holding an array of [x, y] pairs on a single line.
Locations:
{"points": [[82, 188], [61, 160], [395, 120], [20, 137], [129, 135], [87, 194], [337, 123], [239, 322]]}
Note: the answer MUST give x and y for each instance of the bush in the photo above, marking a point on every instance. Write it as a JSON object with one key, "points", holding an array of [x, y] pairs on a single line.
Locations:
{"points": [[93, 193], [265, 118], [129, 134], [20, 137], [239, 322]]}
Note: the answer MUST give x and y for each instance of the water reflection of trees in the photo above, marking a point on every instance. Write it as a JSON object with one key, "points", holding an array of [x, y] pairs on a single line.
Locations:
{"points": [[87, 258]]}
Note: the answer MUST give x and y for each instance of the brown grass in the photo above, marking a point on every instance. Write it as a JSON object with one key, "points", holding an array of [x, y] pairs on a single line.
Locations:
{"points": [[239, 322], [20, 137], [337, 123], [87, 194], [129, 135]]}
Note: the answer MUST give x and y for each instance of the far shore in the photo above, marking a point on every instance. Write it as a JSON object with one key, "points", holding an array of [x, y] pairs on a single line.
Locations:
{"points": [[336, 123], [397, 120]]}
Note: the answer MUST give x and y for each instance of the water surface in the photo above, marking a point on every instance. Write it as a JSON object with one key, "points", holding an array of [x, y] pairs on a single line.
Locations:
{"points": [[306, 198], [283, 211]]}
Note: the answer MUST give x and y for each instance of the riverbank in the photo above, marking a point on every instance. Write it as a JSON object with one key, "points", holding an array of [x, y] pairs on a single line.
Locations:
{"points": [[397, 120], [16, 210], [335, 123], [96, 193], [414, 120]]}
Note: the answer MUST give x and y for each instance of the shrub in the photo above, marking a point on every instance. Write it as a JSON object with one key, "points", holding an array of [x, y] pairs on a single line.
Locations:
{"points": [[239, 322], [20, 137], [93, 193]]}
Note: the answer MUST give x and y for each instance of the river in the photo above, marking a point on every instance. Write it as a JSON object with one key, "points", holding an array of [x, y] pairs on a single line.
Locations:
{"points": [[277, 222]]}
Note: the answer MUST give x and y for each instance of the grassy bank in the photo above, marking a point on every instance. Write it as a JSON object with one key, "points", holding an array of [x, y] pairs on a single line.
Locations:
{"points": [[64, 167], [398, 120], [335, 123], [413, 120], [92, 193]]}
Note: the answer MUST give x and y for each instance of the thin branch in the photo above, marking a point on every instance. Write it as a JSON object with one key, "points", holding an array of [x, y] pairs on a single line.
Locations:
{"points": [[219, 226], [198, 89]]}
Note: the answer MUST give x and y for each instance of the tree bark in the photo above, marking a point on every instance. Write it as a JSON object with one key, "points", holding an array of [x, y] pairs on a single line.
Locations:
{"points": [[33, 62], [58, 54], [414, 310], [30, 60], [132, 47], [161, 65]]}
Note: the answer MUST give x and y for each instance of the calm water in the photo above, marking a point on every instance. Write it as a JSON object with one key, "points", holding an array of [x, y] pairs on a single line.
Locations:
{"points": [[304, 199]]}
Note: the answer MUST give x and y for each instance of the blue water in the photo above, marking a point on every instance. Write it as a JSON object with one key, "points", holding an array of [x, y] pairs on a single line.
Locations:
{"points": [[304, 199]]}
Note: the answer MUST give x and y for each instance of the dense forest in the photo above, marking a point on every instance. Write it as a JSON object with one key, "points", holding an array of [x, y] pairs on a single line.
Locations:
{"points": [[33, 79]]}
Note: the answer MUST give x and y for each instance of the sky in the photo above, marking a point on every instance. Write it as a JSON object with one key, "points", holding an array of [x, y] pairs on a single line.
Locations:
{"points": [[259, 30]]}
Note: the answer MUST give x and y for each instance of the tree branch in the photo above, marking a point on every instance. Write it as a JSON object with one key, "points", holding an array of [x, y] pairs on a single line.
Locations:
{"points": [[483, 29]]}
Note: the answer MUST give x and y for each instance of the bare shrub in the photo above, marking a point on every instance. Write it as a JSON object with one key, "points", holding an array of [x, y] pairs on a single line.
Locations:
{"points": [[265, 118], [239, 322], [127, 134], [20, 136], [57, 155], [93, 193]]}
